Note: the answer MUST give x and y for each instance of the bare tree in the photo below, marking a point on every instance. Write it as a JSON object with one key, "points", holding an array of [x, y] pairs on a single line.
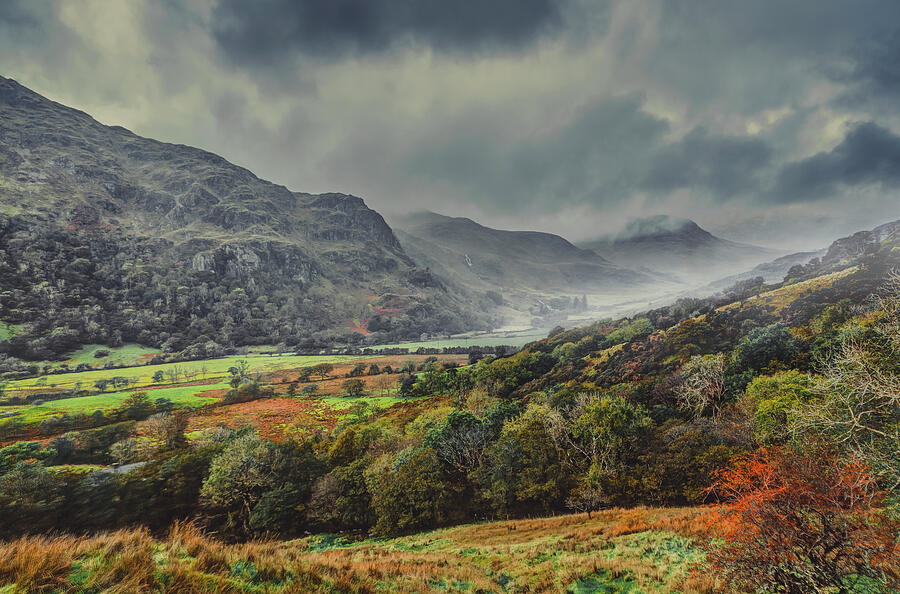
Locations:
{"points": [[702, 386], [858, 407]]}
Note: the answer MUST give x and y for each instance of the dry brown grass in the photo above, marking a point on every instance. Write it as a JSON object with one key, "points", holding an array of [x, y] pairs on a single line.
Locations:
{"points": [[540, 555]]}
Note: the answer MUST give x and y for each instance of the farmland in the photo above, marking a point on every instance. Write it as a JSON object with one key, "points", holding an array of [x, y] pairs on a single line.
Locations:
{"points": [[199, 384], [142, 375]]}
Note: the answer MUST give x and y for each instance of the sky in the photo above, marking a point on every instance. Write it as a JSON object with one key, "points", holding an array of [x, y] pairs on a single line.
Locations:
{"points": [[770, 122]]}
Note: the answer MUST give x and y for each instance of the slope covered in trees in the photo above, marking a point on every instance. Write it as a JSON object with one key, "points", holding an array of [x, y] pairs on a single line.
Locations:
{"points": [[107, 237]]}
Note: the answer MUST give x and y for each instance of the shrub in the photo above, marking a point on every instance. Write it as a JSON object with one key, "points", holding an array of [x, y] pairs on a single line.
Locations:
{"points": [[802, 522]]}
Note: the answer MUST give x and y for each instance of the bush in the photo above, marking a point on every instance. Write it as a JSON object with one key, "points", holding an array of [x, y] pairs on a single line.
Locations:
{"points": [[802, 522]]}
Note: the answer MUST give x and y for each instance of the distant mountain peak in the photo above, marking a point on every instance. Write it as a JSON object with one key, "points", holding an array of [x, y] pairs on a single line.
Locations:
{"points": [[656, 225]]}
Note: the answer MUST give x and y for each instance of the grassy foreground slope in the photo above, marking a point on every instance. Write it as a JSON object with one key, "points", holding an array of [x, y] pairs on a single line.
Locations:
{"points": [[638, 550]]}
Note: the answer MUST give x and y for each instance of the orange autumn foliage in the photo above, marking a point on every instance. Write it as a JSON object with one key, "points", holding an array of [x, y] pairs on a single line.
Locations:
{"points": [[802, 522]]}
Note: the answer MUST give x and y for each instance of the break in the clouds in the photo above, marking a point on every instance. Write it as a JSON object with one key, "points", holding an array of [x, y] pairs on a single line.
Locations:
{"points": [[770, 121]]}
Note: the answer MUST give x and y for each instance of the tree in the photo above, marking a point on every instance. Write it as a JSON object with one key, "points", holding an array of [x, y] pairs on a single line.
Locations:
{"points": [[702, 385], [799, 522], [858, 404], [596, 430], [239, 476], [588, 496], [305, 374], [310, 390], [292, 390], [523, 471], [136, 406], [322, 369], [764, 345], [772, 398], [358, 370], [414, 497], [167, 429], [354, 388], [158, 376], [460, 441]]}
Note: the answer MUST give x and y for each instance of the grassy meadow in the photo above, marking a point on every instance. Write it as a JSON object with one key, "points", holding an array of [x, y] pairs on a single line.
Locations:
{"points": [[142, 375], [637, 550]]}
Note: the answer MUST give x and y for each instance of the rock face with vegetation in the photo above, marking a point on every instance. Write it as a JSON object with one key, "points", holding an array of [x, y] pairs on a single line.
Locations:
{"points": [[106, 237]]}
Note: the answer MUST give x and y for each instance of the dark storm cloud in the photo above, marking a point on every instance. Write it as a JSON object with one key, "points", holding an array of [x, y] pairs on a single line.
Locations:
{"points": [[869, 155], [25, 17], [596, 156], [607, 108], [725, 165], [263, 31], [874, 70]]}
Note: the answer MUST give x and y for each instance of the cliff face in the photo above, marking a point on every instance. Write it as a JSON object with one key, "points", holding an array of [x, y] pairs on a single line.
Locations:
{"points": [[170, 214], [862, 242]]}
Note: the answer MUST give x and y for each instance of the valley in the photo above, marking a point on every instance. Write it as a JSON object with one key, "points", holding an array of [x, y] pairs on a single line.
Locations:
{"points": [[212, 383]]}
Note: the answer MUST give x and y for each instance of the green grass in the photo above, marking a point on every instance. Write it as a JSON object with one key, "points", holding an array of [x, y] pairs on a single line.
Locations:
{"points": [[7, 331], [341, 404], [179, 395], [78, 468], [129, 354], [143, 374]]}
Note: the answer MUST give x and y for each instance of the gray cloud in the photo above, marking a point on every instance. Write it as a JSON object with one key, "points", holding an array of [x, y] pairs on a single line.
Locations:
{"points": [[558, 115], [869, 155], [264, 31], [725, 165], [872, 70], [594, 156]]}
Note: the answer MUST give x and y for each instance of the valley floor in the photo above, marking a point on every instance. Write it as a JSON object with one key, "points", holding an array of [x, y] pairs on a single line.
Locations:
{"points": [[636, 550]]}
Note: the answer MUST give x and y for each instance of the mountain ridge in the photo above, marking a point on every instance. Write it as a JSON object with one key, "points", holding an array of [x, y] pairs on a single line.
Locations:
{"points": [[164, 235], [676, 246]]}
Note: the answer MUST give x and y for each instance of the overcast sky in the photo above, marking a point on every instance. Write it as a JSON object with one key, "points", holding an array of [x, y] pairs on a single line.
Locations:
{"points": [[771, 121]]}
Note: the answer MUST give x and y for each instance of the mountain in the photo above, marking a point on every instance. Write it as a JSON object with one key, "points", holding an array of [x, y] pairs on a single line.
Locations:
{"points": [[525, 270], [108, 237], [803, 264], [771, 272], [678, 247]]}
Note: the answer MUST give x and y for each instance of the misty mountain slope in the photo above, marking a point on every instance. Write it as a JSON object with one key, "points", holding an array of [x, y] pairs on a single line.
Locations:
{"points": [[839, 254], [771, 272], [523, 266], [679, 247], [110, 237]]}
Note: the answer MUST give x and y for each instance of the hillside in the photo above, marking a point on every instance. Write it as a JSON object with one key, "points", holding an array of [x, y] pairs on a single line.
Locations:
{"points": [[678, 247], [108, 237], [644, 551], [530, 271], [748, 400]]}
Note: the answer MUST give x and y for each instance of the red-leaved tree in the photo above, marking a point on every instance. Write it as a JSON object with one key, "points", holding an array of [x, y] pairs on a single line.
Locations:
{"points": [[802, 522]]}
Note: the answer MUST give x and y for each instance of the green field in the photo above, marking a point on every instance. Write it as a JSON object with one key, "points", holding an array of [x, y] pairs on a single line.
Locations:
{"points": [[129, 354], [179, 395], [143, 374]]}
